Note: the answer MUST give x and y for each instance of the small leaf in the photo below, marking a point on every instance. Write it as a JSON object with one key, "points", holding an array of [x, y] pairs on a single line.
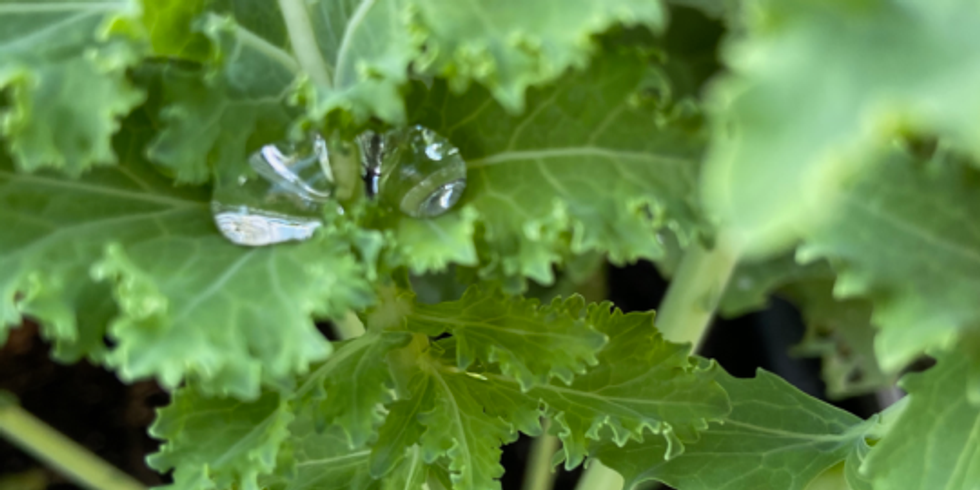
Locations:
{"points": [[531, 343], [64, 66], [215, 442]]}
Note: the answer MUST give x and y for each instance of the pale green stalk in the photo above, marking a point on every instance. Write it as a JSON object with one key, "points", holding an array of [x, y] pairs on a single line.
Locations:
{"points": [[304, 42], [59, 452], [539, 474], [683, 317], [349, 326]]}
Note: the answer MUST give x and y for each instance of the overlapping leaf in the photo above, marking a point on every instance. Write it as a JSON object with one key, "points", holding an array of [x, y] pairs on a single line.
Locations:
{"points": [[63, 64], [217, 442], [189, 302], [641, 385], [568, 175], [838, 330], [819, 85], [212, 117], [531, 343], [904, 236], [775, 437], [510, 45], [935, 442], [350, 386], [313, 460]]}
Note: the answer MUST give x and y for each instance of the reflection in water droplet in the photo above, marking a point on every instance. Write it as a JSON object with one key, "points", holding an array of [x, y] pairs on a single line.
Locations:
{"points": [[421, 172], [302, 168], [281, 203], [255, 227], [372, 150], [443, 199]]}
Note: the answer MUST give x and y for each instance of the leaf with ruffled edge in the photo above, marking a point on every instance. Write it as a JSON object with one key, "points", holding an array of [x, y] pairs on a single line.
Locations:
{"points": [[510, 45], [904, 237], [454, 415], [934, 443], [216, 443], [530, 342], [775, 437], [815, 87], [64, 67], [190, 302], [351, 386], [616, 172], [213, 116], [642, 384]]}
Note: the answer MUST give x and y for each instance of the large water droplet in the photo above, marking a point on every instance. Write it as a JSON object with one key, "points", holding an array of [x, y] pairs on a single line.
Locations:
{"points": [[282, 202], [301, 168], [422, 173], [253, 227]]}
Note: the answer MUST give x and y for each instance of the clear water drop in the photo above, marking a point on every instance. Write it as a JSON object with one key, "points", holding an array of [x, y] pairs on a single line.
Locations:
{"points": [[252, 227], [301, 168], [282, 202], [422, 173]]}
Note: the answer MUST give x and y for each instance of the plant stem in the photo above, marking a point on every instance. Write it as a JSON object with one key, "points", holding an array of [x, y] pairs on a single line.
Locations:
{"points": [[61, 453], [539, 474], [304, 41], [695, 290], [683, 316], [349, 326], [599, 477]]}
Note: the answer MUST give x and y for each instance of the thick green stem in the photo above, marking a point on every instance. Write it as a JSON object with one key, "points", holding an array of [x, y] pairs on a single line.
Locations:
{"points": [[683, 317], [61, 453], [349, 326], [600, 477], [304, 43], [695, 290], [539, 474]]}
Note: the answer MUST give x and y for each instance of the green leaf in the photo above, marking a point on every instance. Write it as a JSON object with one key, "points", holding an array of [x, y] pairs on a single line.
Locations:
{"points": [[63, 65], [456, 416], [171, 27], [935, 442], [775, 437], [510, 45], [216, 442], [531, 343], [752, 282], [816, 87], [642, 383], [312, 460], [213, 117], [613, 174], [431, 245], [840, 332], [352, 384], [189, 302], [902, 237], [366, 47]]}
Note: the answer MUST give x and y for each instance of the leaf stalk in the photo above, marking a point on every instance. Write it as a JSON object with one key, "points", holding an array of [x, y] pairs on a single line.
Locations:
{"points": [[304, 43], [59, 452]]}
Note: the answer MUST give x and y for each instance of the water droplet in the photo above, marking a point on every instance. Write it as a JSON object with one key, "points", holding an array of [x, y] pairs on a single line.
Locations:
{"points": [[301, 168], [255, 227], [282, 202], [372, 150], [421, 172]]}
